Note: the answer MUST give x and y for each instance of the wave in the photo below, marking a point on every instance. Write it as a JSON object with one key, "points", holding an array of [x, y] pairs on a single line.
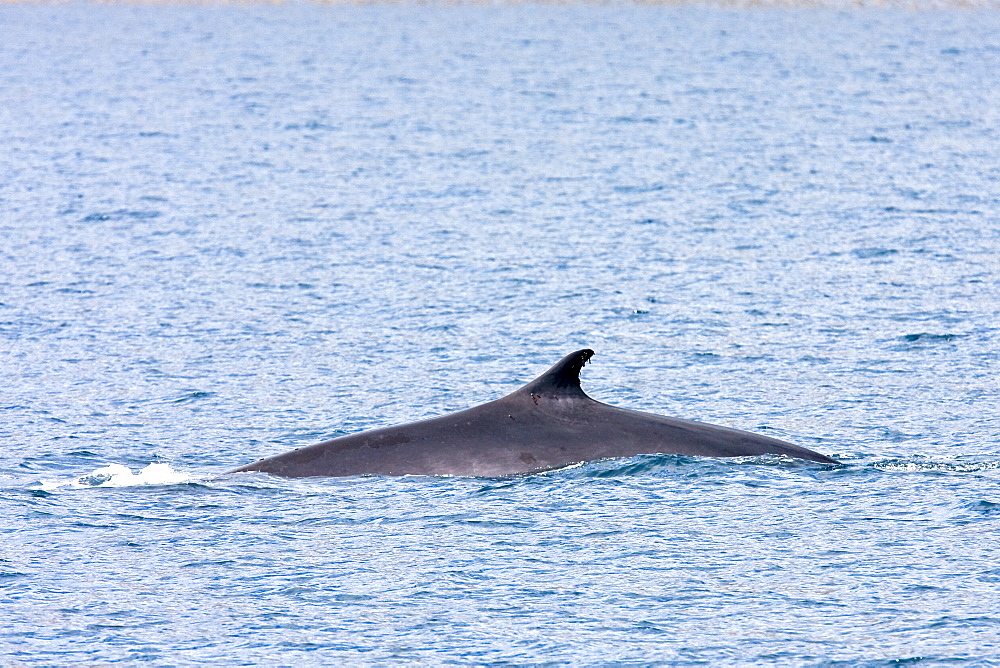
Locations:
{"points": [[694, 466], [680, 464], [118, 475]]}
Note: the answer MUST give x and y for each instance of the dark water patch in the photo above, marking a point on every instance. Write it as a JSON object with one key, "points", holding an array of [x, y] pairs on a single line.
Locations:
{"points": [[498, 524], [871, 253], [209, 563], [121, 214], [94, 525], [312, 126], [925, 337], [640, 189], [188, 397], [984, 507], [500, 485]]}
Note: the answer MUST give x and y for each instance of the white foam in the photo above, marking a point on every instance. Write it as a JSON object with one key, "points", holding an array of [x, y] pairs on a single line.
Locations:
{"points": [[924, 466], [116, 475]]}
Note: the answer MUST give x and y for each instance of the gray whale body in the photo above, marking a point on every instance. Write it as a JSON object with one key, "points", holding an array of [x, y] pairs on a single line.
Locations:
{"points": [[548, 423]]}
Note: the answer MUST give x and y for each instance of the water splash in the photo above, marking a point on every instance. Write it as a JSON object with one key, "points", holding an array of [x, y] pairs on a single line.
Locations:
{"points": [[930, 466], [117, 475]]}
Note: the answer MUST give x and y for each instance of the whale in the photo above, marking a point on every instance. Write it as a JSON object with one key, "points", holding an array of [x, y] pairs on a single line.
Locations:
{"points": [[549, 423]]}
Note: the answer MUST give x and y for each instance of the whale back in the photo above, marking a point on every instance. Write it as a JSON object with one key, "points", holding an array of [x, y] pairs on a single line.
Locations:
{"points": [[548, 423]]}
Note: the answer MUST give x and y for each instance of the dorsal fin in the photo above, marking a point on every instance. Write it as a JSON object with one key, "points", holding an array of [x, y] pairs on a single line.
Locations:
{"points": [[563, 378]]}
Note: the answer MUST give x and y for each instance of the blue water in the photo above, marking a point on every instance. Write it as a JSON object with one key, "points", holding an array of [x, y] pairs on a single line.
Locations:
{"points": [[226, 232]]}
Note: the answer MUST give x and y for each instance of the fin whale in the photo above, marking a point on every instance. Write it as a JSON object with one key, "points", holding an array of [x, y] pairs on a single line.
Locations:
{"points": [[548, 423]]}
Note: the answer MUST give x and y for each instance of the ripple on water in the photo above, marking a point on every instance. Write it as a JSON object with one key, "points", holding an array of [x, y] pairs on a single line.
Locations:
{"points": [[230, 231]]}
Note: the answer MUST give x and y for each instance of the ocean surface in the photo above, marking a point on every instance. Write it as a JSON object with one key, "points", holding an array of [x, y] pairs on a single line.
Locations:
{"points": [[230, 231]]}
